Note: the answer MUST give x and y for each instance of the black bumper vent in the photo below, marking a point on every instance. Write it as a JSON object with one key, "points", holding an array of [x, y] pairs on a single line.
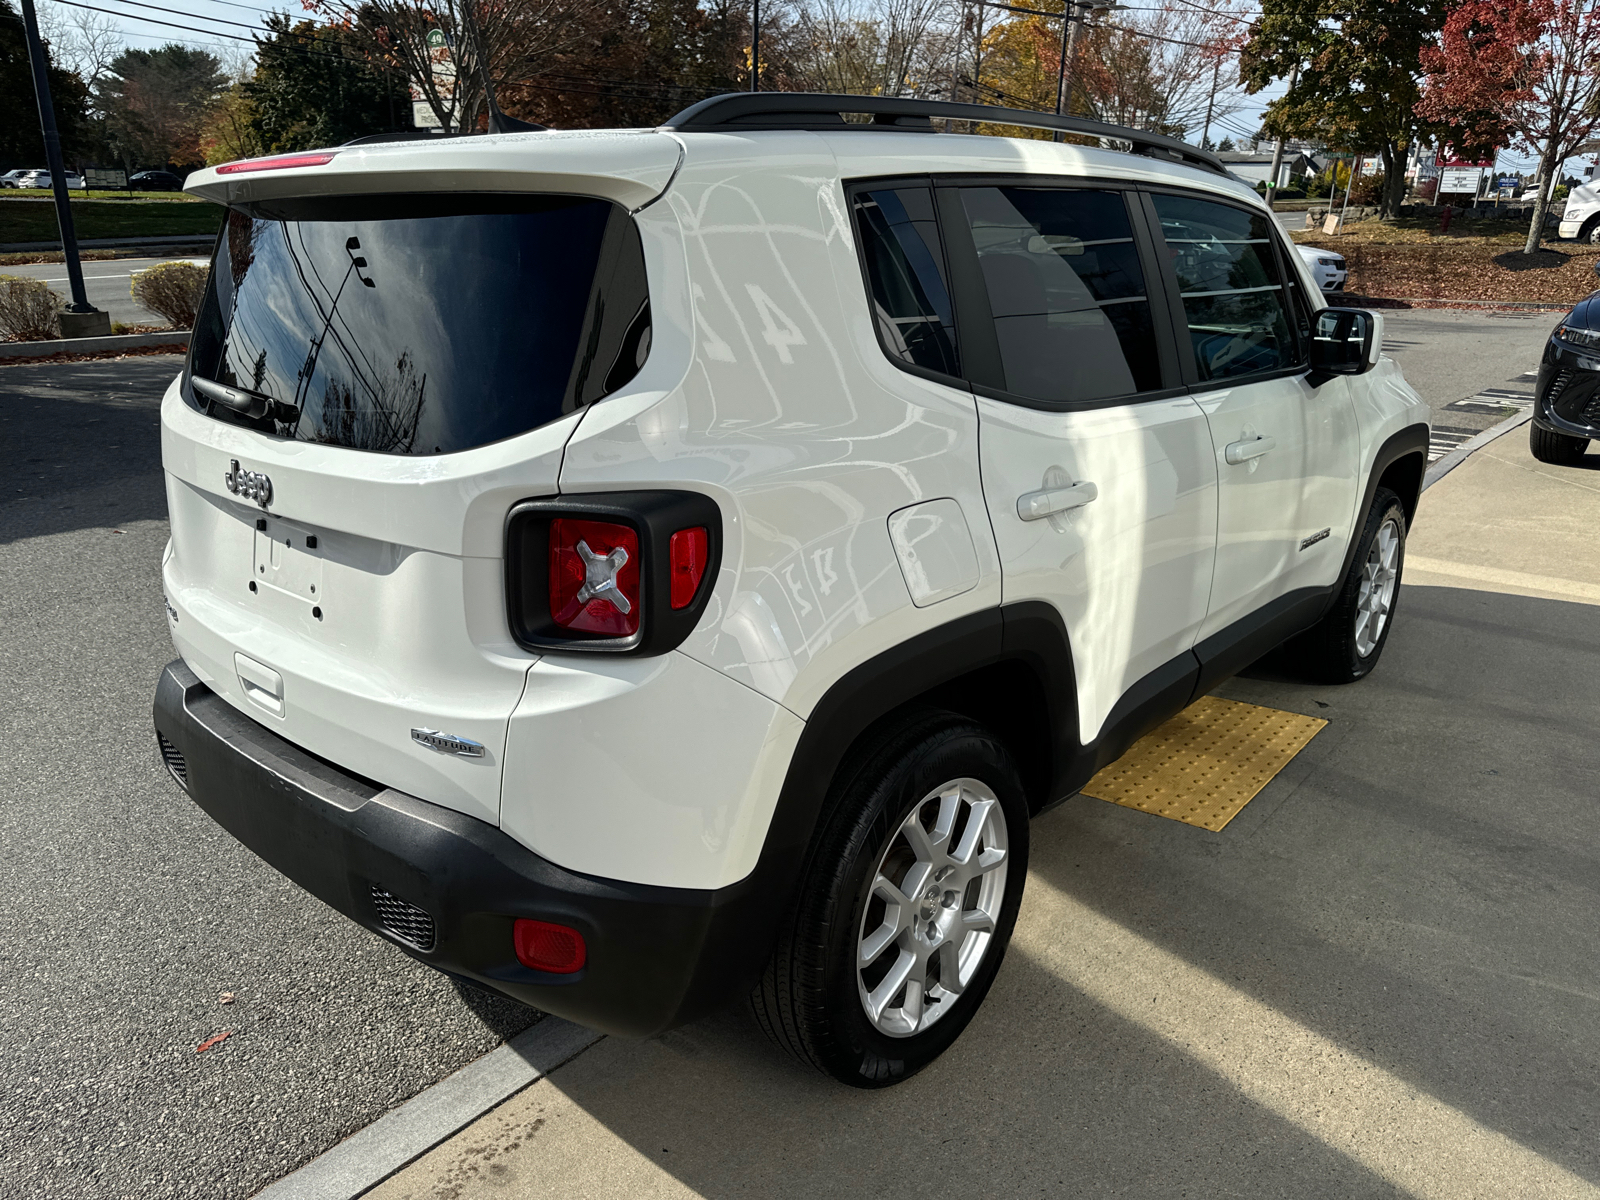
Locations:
{"points": [[1558, 384], [405, 920], [173, 757]]}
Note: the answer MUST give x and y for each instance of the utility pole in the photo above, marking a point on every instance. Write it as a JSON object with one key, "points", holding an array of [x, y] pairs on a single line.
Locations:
{"points": [[1277, 151], [755, 45], [1070, 24], [81, 318], [1216, 74]]}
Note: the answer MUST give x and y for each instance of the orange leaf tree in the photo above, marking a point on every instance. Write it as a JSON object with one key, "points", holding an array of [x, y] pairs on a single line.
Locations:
{"points": [[1520, 72]]}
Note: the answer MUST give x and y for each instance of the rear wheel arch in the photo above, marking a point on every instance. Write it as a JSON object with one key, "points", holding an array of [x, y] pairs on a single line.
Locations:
{"points": [[1008, 669]]}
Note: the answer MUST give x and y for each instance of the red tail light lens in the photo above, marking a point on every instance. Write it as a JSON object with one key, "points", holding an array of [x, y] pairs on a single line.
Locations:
{"points": [[275, 163], [541, 946], [594, 577], [687, 552]]}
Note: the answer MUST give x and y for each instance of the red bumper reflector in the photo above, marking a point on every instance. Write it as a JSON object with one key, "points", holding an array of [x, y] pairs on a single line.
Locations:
{"points": [[686, 554], [275, 163], [594, 576], [542, 946]]}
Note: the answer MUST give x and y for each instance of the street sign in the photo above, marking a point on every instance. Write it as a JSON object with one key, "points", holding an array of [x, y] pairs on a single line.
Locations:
{"points": [[423, 116], [437, 40]]}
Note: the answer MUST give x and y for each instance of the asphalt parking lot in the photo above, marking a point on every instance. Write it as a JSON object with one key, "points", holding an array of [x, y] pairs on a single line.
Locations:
{"points": [[1379, 980], [126, 913]]}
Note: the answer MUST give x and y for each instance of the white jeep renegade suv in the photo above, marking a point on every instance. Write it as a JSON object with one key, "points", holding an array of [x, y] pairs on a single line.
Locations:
{"points": [[640, 569]]}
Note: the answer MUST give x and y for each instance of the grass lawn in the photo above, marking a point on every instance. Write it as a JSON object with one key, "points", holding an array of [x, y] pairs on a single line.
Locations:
{"points": [[24, 222], [1410, 258]]}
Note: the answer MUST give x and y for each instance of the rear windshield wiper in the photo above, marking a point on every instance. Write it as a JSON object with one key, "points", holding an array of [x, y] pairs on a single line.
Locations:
{"points": [[242, 400]]}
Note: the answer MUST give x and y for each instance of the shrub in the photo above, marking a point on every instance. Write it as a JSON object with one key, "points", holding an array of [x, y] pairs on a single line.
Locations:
{"points": [[29, 310], [1367, 189], [172, 290]]}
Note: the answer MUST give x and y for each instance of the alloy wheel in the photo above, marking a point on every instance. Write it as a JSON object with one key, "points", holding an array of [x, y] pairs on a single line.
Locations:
{"points": [[933, 907], [1379, 578]]}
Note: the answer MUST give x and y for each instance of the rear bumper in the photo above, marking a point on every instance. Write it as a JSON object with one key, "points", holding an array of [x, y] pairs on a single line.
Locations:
{"points": [[657, 957]]}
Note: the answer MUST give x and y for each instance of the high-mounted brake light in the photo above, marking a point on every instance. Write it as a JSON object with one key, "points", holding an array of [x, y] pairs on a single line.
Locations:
{"points": [[275, 163], [541, 946], [594, 577], [687, 551]]}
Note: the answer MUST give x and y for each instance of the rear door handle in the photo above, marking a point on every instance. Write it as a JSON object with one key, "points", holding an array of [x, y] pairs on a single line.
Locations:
{"points": [[1243, 452], [1035, 506]]}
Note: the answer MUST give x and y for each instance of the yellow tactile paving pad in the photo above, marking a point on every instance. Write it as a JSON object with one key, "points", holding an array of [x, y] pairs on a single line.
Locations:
{"points": [[1205, 764]]}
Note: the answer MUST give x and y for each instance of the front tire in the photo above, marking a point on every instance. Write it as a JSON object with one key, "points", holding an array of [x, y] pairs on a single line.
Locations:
{"points": [[1558, 449], [1347, 643], [907, 906]]}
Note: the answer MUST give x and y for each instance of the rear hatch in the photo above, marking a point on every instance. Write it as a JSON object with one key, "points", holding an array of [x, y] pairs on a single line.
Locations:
{"points": [[393, 349]]}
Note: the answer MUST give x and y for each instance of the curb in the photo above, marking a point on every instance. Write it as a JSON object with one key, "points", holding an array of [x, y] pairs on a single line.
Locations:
{"points": [[398, 1138], [198, 239], [92, 345], [1461, 453]]}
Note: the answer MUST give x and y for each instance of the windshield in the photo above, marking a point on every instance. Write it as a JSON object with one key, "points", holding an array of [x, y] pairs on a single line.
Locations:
{"points": [[417, 324]]}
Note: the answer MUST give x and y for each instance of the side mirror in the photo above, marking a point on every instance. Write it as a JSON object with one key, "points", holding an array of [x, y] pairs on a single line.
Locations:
{"points": [[1346, 341]]}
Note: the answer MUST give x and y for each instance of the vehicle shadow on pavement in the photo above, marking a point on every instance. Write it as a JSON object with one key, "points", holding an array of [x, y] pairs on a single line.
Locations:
{"points": [[80, 445], [1381, 979]]}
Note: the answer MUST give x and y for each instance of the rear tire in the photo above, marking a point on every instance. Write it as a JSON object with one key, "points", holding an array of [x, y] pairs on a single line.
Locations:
{"points": [[1346, 644], [1556, 448], [868, 982]]}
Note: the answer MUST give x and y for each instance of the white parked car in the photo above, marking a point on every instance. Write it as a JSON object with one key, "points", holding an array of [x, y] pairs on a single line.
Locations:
{"points": [[41, 179], [13, 179], [686, 558], [1327, 267], [1581, 217]]}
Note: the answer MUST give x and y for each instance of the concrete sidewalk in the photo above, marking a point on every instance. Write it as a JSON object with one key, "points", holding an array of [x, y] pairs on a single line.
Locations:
{"points": [[1382, 979]]}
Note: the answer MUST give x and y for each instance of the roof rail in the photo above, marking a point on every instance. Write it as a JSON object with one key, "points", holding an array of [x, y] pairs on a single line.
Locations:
{"points": [[823, 112]]}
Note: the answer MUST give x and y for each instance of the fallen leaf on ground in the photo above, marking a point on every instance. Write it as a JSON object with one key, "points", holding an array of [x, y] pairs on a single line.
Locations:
{"points": [[213, 1040], [226, 998]]}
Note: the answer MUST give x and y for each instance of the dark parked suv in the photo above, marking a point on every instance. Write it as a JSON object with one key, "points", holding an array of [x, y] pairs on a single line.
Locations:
{"points": [[1566, 411]]}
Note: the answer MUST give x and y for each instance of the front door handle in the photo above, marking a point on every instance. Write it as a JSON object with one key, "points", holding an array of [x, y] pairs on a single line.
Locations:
{"points": [[1035, 506], [1243, 452]]}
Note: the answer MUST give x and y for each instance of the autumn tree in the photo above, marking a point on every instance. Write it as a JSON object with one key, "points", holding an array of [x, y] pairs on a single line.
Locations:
{"points": [[155, 103], [317, 85], [1520, 71], [1354, 67], [636, 63], [452, 53], [1149, 68]]}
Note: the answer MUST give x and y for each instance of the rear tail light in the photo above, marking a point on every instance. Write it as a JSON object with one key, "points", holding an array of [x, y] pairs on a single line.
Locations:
{"points": [[542, 946], [686, 554], [623, 572], [275, 163], [594, 577]]}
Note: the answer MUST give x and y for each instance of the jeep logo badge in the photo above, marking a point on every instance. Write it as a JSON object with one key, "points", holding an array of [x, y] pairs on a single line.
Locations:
{"points": [[248, 485]]}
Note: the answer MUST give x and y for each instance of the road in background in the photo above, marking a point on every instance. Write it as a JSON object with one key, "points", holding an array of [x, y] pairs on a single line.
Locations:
{"points": [[127, 912], [106, 281]]}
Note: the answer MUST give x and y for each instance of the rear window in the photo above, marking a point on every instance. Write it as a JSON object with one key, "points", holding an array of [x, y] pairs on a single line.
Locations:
{"points": [[418, 324]]}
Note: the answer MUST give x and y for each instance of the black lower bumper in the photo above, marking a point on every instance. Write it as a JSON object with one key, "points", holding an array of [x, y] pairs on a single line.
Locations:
{"points": [[446, 887], [1567, 394]]}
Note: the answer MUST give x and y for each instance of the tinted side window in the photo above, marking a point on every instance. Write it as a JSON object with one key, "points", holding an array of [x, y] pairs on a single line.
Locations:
{"points": [[1233, 297], [1071, 311], [905, 266]]}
